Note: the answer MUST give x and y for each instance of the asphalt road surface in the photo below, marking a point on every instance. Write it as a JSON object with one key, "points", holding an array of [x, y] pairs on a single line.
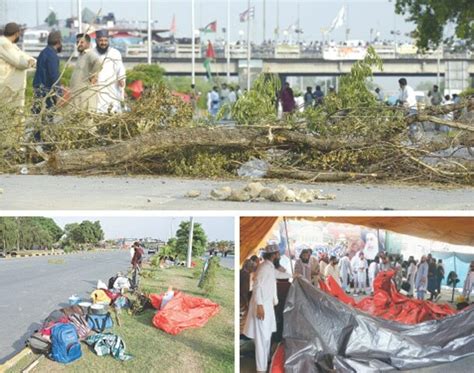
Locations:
{"points": [[39, 192], [31, 288]]}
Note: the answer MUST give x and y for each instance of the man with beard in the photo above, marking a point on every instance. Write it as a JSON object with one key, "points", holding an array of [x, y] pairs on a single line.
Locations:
{"points": [[111, 78], [13, 65], [46, 81], [332, 269], [261, 322], [302, 266], [84, 75]]}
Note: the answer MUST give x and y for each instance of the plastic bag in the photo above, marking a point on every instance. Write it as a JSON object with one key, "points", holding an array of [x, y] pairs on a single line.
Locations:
{"points": [[255, 168]]}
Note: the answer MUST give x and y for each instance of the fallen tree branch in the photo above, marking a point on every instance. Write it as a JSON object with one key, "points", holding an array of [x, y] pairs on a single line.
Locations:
{"points": [[153, 143]]}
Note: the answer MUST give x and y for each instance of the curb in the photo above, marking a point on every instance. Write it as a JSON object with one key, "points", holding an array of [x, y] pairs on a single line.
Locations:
{"points": [[53, 254], [32, 255], [15, 359]]}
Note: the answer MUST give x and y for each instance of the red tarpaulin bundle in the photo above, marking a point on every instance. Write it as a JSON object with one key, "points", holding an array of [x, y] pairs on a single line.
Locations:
{"points": [[389, 304], [136, 89], [182, 312]]}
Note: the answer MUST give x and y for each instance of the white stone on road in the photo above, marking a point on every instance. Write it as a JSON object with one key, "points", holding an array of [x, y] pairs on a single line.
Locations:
{"points": [[40, 192]]}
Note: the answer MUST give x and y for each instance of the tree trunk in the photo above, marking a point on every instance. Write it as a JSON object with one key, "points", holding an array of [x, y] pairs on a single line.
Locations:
{"points": [[150, 144]]}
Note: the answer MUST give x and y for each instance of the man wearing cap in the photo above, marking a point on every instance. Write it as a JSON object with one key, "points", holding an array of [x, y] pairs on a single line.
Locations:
{"points": [[46, 81], [261, 322], [13, 65], [84, 76], [111, 78], [303, 266]]}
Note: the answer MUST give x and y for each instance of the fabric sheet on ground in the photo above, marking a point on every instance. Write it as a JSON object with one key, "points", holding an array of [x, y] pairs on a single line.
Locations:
{"points": [[182, 312], [388, 303], [322, 333]]}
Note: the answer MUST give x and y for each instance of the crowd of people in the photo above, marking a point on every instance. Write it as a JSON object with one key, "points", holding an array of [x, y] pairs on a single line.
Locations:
{"points": [[225, 97], [354, 272], [96, 85]]}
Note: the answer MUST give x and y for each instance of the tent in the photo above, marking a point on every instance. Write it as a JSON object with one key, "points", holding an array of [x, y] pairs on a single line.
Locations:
{"points": [[455, 230], [457, 262]]}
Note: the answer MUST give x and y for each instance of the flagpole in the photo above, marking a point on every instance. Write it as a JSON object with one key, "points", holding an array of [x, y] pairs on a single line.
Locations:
{"points": [[149, 33], [228, 41], [193, 46], [248, 45]]}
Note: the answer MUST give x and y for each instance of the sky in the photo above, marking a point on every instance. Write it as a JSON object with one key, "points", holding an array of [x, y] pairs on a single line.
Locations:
{"points": [[216, 228], [363, 15]]}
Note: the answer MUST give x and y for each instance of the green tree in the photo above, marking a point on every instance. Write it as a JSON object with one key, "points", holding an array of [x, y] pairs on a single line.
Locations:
{"points": [[150, 75], [8, 234], [182, 237], [86, 232], [28, 232], [432, 16]]}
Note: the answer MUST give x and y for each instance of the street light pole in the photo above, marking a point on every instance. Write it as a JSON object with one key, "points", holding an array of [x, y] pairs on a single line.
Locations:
{"points": [[193, 45], [264, 19], [79, 14], [149, 33], [228, 41], [190, 242], [248, 45]]}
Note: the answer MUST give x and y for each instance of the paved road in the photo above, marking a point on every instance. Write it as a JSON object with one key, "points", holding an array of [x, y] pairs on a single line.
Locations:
{"points": [[226, 262], [39, 192], [30, 288]]}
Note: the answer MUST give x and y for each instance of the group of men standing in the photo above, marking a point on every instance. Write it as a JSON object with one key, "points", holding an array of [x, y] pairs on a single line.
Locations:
{"points": [[97, 82], [226, 97]]}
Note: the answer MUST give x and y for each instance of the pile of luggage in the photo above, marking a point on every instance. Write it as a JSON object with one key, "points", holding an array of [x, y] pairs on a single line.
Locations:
{"points": [[62, 331]]}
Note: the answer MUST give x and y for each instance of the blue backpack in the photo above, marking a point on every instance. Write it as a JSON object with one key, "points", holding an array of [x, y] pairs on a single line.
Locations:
{"points": [[99, 323], [65, 346]]}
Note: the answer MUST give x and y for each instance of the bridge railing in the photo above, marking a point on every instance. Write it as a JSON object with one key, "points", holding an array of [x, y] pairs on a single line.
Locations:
{"points": [[239, 51]]}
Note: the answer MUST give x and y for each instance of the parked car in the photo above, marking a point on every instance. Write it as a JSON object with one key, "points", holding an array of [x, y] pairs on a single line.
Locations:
{"points": [[151, 251]]}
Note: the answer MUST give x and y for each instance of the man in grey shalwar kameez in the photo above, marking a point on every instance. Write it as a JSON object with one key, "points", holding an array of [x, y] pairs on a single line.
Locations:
{"points": [[421, 278], [84, 76]]}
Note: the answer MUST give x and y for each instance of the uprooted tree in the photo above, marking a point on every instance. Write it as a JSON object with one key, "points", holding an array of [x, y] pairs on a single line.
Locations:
{"points": [[349, 136]]}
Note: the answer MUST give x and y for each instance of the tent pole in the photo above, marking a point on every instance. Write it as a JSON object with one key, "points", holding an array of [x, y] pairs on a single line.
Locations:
{"points": [[288, 244]]}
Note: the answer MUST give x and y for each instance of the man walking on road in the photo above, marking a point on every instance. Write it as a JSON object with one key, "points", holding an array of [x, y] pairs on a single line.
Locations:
{"points": [[261, 322], [137, 263], [13, 65]]}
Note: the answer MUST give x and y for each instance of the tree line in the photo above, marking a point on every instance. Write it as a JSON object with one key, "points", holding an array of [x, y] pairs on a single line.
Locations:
{"points": [[28, 233]]}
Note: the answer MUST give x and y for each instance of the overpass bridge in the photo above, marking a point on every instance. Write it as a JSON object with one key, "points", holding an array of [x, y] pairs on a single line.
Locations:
{"points": [[310, 66]]}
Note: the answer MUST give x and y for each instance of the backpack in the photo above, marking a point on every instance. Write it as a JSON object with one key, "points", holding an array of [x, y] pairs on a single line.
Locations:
{"points": [[82, 326], [39, 344], [65, 346], [99, 323]]}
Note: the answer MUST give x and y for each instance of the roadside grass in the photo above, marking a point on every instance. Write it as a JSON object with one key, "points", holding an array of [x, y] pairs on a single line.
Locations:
{"points": [[207, 349]]}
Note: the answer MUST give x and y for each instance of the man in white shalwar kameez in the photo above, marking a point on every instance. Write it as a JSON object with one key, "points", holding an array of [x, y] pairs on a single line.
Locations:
{"points": [[354, 261], [111, 78], [332, 269], [261, 322], [361, 267], [346, 271]]}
